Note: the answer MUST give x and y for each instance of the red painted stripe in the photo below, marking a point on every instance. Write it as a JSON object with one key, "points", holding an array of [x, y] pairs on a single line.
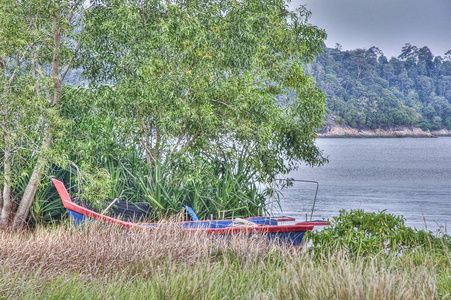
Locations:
{"points": [[68, 204], [325, 223], [283, 219]]}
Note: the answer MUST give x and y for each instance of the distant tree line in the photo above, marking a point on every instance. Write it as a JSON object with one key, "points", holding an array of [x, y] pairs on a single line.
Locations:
{"points": [[366, 89]]}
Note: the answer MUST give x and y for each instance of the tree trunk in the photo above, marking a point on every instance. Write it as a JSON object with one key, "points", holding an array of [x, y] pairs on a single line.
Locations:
{"points": [[1, 199], [32, 186], [157, 147], [30, 191], [7, 203]]}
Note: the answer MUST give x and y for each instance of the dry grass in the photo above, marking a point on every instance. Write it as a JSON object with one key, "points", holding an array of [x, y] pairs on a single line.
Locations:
{"points": [[106, 263], [99, 250]]}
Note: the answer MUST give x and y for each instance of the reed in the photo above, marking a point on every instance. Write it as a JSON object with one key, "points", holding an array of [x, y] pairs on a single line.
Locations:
{"points": [[107, 263], [223, 187]]}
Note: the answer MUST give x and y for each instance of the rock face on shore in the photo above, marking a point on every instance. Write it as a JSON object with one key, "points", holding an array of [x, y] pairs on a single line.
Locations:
{"points": [[441, 132], [335, 130]]}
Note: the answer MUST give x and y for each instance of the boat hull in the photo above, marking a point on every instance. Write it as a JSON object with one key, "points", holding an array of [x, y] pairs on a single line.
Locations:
{"points": [[287, 234]]}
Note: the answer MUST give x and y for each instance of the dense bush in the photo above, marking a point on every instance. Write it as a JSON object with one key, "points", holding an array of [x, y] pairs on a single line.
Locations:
{"points": [[367, 233]]}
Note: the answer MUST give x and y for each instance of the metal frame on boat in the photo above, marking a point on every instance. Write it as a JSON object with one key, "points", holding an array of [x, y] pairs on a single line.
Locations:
{"points": [[290, 234]]}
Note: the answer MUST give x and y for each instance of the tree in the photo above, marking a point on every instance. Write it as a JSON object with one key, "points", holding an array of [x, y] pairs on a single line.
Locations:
{"points": [[361, 63], [425, 54], [444, 86], [382, 60], [409, 53], [425, 87], [388, 72], [37, 48], [374, 53], [404, 82], [191, 79]]}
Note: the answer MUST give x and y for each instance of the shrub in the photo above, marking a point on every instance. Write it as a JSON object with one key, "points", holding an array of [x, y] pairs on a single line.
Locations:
{"points": [[365, 233]]}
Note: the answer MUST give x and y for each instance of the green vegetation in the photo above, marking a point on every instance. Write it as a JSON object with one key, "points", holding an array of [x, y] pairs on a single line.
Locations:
{"points": [[203, 103], [179, 102], [361, 234], [104, 263], [368, 90]]}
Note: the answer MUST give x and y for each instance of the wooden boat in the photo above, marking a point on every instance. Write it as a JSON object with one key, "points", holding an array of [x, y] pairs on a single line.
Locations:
{"points": [[290, 234]]}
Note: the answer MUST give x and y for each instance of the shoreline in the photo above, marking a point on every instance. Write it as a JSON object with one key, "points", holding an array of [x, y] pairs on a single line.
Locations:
{"points": [[345, 131]]}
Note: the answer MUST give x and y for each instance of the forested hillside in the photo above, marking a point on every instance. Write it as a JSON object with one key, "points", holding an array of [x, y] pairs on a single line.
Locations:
{"points": [[366, 89]]}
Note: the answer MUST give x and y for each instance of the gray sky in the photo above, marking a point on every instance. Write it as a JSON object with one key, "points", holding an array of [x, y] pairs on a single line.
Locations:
{"points": [[386, 24]]}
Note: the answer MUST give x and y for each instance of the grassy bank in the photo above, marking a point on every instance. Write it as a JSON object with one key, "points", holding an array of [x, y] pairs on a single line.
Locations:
{"points": [[101, 263]]}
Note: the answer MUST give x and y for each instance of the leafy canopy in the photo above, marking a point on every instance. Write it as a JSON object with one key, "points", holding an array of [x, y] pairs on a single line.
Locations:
{"points": [[187, 78]]}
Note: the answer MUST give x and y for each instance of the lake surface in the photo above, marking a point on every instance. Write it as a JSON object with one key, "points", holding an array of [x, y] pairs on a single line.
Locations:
{"points": [[406, 176]]}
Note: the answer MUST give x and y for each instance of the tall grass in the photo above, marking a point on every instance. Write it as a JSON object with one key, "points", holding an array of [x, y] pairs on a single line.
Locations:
{"points": [[107, 263], [223, 188], [222, 185]]}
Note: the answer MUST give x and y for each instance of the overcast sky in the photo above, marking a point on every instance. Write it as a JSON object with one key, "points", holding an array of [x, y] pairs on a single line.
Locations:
{"points": [[386, 24]]}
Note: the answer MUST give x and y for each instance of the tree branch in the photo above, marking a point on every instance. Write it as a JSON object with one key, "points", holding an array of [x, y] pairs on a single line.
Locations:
{"points": [[177, 144], [2, 66], [70, 62], [223, 103], [191, 141], [73, 10], [16, 71], [55, 65], [46, 89], [147, 144]]}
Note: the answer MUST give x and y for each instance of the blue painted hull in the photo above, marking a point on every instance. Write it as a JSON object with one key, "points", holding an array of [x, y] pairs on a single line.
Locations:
{"points": [[291, 237]]}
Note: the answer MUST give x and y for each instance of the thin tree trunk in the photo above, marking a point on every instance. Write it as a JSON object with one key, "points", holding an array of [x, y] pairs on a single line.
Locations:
{"points": [[157, 146], [1, 198], [32, 186], [147, 147], [7, 203], [55, 66]]}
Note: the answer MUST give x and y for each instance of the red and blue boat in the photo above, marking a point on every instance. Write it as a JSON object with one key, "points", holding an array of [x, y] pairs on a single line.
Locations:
{"points": [[269, 226]]}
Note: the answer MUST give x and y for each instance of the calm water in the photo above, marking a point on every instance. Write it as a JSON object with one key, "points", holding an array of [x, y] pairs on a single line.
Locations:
{"points": [[408, 176]]}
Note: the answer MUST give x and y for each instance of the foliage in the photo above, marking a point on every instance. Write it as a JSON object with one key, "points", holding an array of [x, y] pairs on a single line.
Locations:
{"points": [[195, 115], [47, 207], [360, 234], [366, 89], [184, 101], [38, 44], [230, 191], [184, 80], [221, 189], [211, 185]]}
